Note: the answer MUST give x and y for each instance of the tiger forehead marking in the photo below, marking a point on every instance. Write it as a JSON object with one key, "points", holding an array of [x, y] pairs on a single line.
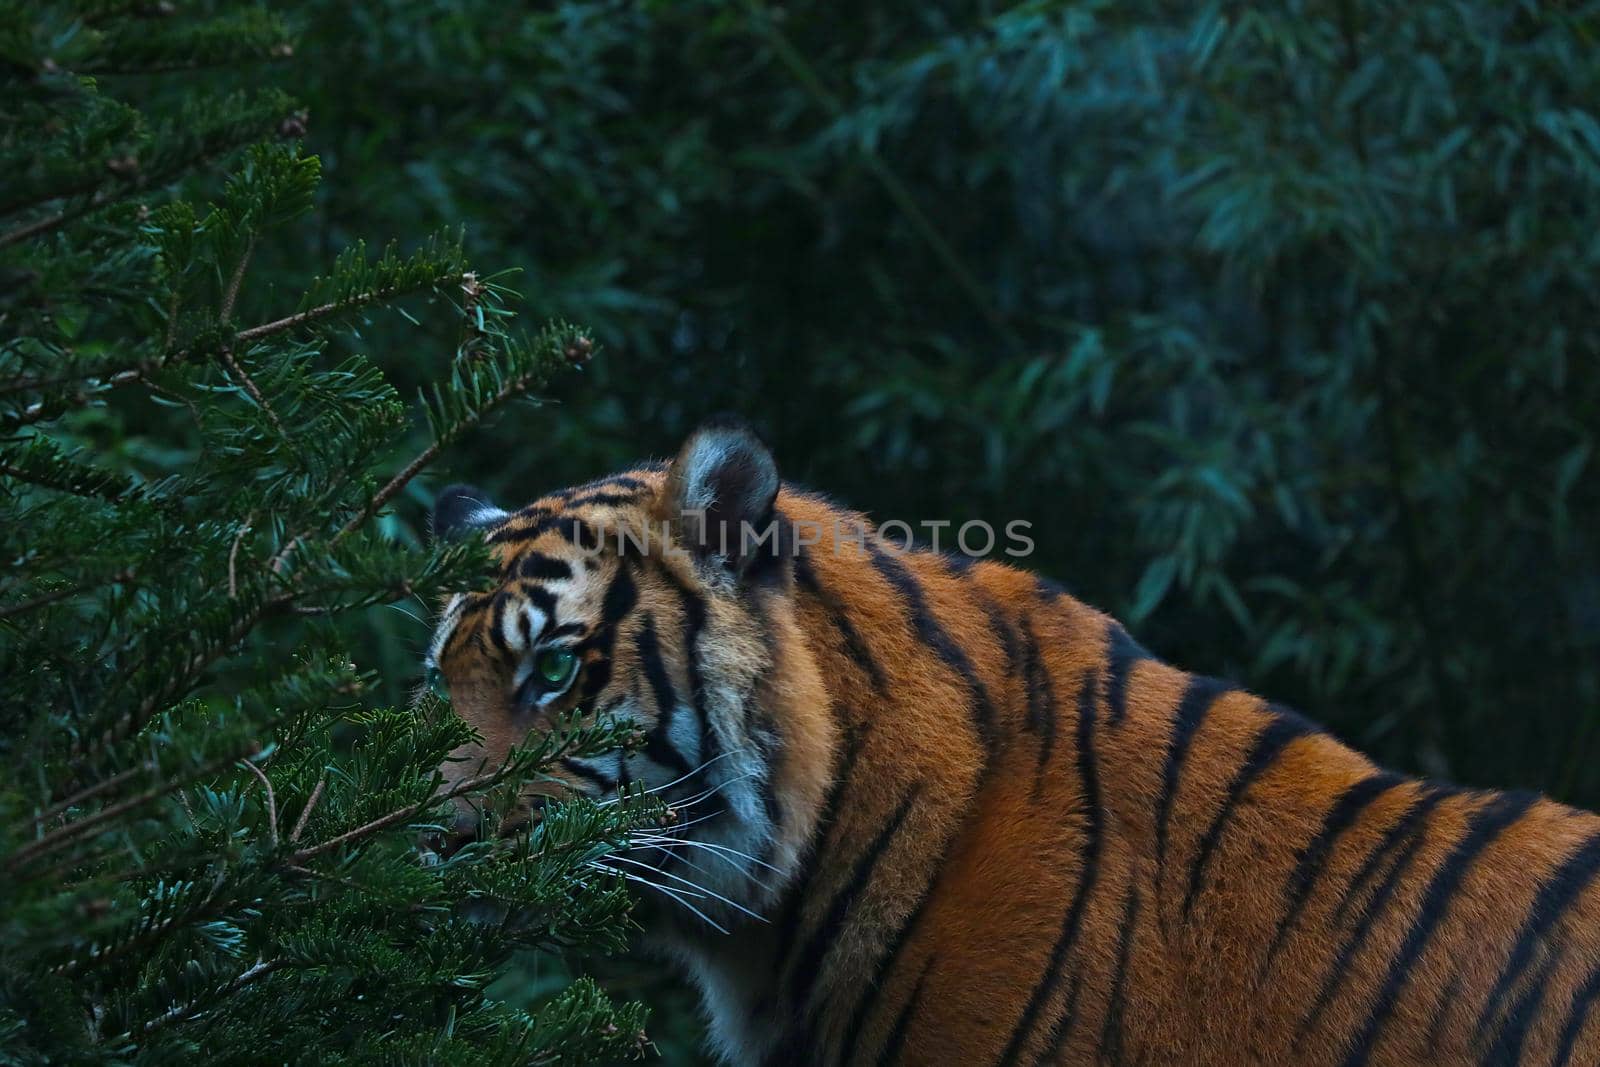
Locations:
{"points": [[940, 811]]}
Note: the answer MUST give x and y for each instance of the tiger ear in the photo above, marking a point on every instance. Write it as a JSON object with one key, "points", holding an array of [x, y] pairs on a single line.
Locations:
{"points": [[463, 509], [720, 492]]}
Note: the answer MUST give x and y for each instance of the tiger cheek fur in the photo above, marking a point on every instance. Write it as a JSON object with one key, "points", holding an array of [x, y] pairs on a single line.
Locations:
{"points": [[942, 812]]}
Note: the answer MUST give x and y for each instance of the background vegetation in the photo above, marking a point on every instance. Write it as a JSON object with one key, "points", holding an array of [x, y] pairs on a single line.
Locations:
{"points": [[1279, 325]]}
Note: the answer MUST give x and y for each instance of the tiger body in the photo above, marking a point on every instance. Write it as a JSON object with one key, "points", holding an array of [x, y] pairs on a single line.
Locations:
{"points": [[944, 813]]}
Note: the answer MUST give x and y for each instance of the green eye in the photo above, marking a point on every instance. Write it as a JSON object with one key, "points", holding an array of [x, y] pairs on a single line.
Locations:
{"points": [[556, 666], [435, 680]]}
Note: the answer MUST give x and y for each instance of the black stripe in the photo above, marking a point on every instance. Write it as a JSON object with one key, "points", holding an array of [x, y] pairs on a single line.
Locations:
{"points": [[574, 530], [599, 778], [856, 648], [1197, 699], [1122, 652], [1002, 630], [497, 623], [658, 741], [544, 600], [566, 629], [1577, 1014], [1412, 829], [620, 599], [514, 535], [475, 604], [1270, 743], [769, 746], [694, 623], [897, 1036], [1063, 1026], [1428, 796], [959, 562], [1441, 1010], [1111, 1033], [808, 961], [525, 628], [1341, 816], [936, 637], [1507, 1048], [1555, 897], [1486, 825], [1093, 832], [787, 924], [603, 500], [536, 566], [596, 676], [1041, 713], [1049, 590], [880, 970], [617, 481]]}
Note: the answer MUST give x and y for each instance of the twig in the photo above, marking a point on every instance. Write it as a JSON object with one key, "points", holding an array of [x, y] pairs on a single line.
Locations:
{"points": [[427, 455], [305, 812], [468, 785], [275, 564], [231, 295], [49, 222], [233, 557], [90, 792], [132, 374], [250, 387], [45, 599], [322, 311], [383, 822], [73, 830], [272, 799], [189, 1008], [323, 876], [132, 720]]}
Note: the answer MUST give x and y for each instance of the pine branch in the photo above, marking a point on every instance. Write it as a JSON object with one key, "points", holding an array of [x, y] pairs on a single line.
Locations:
{"points": [[511, 389], [57, 839], [553, 747], [46, 599], [326, 311], [193, 1008]]}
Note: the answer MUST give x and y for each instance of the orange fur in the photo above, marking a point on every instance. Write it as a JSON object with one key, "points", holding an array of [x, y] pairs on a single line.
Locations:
{"points": [[972, 858]]}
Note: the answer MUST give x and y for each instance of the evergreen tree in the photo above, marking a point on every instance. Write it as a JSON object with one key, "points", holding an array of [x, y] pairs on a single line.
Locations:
{"points": [[208, 841]]}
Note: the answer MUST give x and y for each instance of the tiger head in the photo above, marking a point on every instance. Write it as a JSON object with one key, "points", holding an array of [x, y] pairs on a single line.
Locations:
{"points": [[661, 596]]}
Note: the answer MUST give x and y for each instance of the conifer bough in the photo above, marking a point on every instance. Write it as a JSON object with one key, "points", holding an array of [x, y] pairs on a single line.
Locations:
{"points": [[207, 834]]}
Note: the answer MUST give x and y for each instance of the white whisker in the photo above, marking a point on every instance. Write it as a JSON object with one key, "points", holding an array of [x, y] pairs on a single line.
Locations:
{"points": [[725, 783], [407, 614], [688, 774], [730, 851], [700, 888], [671, 844], [676, 895], [600, 865], [699, 819]]}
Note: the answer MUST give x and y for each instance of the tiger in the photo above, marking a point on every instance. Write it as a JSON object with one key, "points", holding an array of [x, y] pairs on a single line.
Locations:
{"points": [[935, 810]]}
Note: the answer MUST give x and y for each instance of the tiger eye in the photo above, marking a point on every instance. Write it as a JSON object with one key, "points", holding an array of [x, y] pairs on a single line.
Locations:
{"points": [[435, 680], [556, 665]]}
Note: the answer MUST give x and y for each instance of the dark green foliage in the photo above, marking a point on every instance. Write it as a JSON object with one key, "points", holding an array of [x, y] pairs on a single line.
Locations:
{"points": [[208, 832]]}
